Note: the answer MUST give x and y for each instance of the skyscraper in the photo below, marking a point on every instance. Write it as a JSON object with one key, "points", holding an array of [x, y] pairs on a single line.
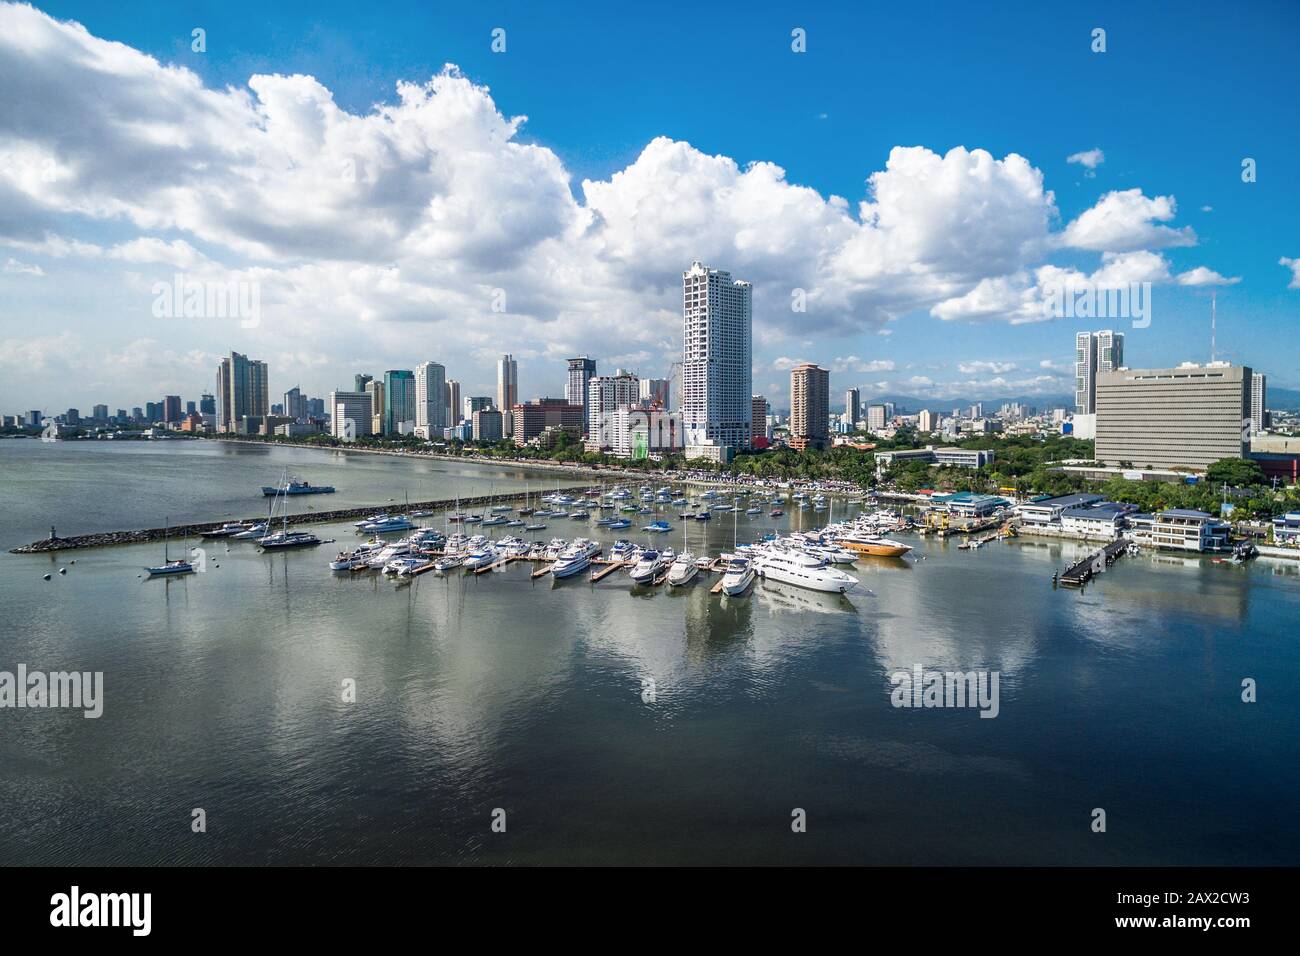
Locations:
{"points": [[507, 383], [717, 329], [852, 406], [350, 414], [1094, 353], [171, 409], [399, 401], [607, 393], [295, 404], [654, 391], [1258, 401], [810, 399], [242, 390], [453, 402], [758, 429], [431, 398], [360, 381], [376, 392], [581, 370], [207, 404]]}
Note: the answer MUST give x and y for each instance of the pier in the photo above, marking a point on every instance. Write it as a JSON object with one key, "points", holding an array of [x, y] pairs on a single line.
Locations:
{"points": [[1081, 572], [103, 538]]}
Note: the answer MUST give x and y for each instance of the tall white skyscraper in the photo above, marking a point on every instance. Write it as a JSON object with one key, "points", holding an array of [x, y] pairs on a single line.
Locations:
{"points": [[717, 372], [507, 383], [1258, 401], [1094, 353], [431, 398]]}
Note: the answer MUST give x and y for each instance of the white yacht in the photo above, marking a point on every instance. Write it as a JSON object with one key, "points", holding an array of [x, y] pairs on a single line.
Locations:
{"points": [[449, 562], [798, 567], [480, 557], [359, 556], [683, 570], [738, 576], [648, 566], [576, 558]]}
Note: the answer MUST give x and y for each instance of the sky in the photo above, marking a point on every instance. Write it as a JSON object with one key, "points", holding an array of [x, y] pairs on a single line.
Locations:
{"points": [[377, 186]]}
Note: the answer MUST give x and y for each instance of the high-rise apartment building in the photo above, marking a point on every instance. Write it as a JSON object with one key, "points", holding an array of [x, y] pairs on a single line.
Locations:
{"points": [[758, 422], [1258, 402], [717, 330], [507, 383], [1094, 353], [852, 406], [377, 418], [242, 391], [927, 421], [530, 419], [399, 401], [472, 404], [453, 402], [654, 391], [606, 393], [1185, 417], [431, 398], [810, 400], [295, 404], [877, 417], [581, 371], [171, 409]]}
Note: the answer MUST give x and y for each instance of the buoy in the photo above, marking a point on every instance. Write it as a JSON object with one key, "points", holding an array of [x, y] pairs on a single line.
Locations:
{"points": [[47, 577], [63, 570]]}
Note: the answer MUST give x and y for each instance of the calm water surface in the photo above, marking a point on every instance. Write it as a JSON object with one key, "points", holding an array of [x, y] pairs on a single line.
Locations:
{"points": [[473, 693]]}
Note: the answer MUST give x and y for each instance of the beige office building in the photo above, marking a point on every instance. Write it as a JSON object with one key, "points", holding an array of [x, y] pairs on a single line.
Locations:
{"points": [[1185, 417]]}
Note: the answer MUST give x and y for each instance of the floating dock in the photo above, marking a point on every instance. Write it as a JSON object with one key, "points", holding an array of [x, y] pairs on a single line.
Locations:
{"points": [[1081, 572]]}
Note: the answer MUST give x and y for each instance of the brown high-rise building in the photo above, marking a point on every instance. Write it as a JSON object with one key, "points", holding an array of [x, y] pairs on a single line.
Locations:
{"points": [[810, 406]]}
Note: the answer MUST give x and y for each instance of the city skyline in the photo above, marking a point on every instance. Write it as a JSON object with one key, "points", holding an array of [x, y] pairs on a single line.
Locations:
{"points": [[919, 295]]}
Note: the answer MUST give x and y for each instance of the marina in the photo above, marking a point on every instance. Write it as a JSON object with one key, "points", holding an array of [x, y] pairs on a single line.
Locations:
{"points": [[475, 686]]}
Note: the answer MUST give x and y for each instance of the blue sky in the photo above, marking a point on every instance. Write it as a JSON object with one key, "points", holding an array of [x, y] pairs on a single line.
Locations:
{"points": [[1182, 94]]}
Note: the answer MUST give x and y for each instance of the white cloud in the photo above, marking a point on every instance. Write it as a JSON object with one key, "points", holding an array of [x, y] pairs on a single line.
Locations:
{"points": [[1124, 221], [1204, 276], [1294, 266], [974, 368], [1089, 159], [14, 267], [368, 232]]}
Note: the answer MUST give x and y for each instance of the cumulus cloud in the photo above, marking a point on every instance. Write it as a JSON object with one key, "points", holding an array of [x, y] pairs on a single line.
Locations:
{"points": [[414, 220], [1089, 159], [1202, 275], [1124, 221]]}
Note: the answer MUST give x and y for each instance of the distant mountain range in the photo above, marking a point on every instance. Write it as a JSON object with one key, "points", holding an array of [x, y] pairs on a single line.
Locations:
{"points": [[1284, 399]]}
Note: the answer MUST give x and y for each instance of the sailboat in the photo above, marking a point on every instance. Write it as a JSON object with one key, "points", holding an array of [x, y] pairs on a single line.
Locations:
{"points": [[169, 566], [284, 538]]}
